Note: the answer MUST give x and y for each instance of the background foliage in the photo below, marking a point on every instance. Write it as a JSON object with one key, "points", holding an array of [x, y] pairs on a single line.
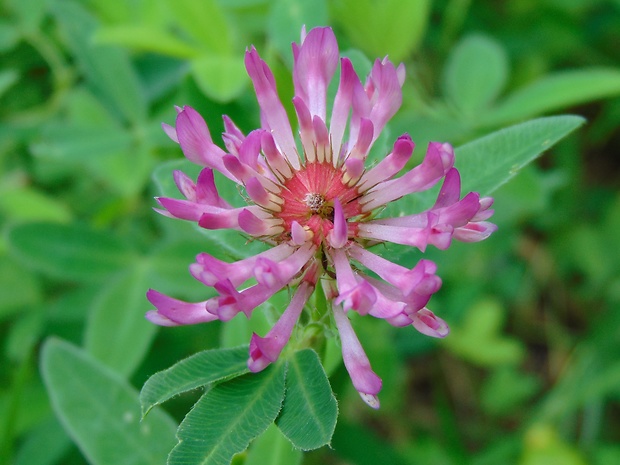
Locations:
{"points": [[530, 374]]}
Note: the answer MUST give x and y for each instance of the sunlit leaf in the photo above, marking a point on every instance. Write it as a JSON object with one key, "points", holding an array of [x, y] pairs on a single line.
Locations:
{"points": [[221, 77], [145, 39], [205, 21], [479, 339], [475, 73], [394, 29]]}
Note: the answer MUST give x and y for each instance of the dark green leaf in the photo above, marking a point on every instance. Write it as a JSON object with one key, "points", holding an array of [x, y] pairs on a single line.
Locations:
{"points": [[200, 369], [225, 420], [310, 410]]}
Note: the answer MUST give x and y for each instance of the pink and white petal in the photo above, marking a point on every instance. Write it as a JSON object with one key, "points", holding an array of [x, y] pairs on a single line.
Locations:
{"points": [[265, 350], [173, 312], [429, 324], [196, 142], [314, 68], [365, 381], [272, 111]]}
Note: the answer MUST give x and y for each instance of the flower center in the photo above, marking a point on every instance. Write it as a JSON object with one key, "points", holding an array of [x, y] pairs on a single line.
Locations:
{"points": [[308, 198], [314, 201]]}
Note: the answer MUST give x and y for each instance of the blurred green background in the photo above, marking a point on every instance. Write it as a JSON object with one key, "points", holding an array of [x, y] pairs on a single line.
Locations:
{"points": [[531, 371]]}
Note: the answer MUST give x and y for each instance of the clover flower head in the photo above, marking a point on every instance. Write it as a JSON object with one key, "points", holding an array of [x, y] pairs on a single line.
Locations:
{"points": [[315, 200]]}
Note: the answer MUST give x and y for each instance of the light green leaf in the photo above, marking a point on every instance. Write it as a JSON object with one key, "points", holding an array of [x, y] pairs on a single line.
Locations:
{"points": [[310, 410], [110, 154], [168, 268], [221, 77], [225, 420], [286, 17], [9, 36], [273, 448], [29, 13], [117, 333], [107, 68], [395, 28], [71, 252], [479, 339], [25, 203], [7, 77], [201, 369], [100, 411], [205, 21], [556, 91], [475, 73], [145, 39], [488, 162], [79, 144]]}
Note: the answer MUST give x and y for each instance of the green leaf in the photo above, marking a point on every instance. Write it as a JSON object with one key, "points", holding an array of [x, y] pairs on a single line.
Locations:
{"points": [[29, 12], [25, 203], [79, 144], [475, 73], [71, 252], [107, 68], [100, 411], [479, 338], [18, 287], [205, 21], [117, 314], [488, 162], [310, 410], [225, 420], [145, 39], [286, 17], [168, 269], [46, 444], [221, 77], [7, 78], [556, 91], [9, 37], [274, 449], [201, 369], [395, 29]]}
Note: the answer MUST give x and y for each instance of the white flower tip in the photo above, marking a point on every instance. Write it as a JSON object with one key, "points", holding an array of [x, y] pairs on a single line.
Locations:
{"points": [[371, 400]]}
